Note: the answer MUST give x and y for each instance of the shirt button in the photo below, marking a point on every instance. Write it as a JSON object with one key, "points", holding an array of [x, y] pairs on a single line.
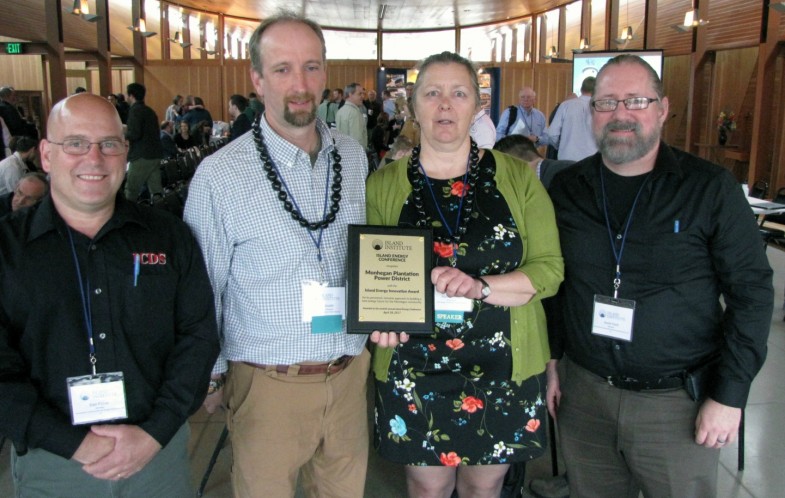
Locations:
{"points": [[616, 347], [98, 291], [102, 335], [618, 236], [93, 247]]}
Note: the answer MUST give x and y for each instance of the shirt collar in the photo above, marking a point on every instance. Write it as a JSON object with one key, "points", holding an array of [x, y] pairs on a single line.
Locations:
{"points": [[275, 142], [47, 219]]}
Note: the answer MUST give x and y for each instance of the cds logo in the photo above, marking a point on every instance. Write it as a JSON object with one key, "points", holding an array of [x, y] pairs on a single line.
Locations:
{"points": [[150, 258]]}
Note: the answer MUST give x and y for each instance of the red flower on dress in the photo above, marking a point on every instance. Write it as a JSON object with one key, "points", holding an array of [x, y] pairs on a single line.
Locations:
{"points": [[443, 249], [472, 404], [450, 459], [455, 344], [459, 189], [412, 407], [431, 347], [532, 425]]}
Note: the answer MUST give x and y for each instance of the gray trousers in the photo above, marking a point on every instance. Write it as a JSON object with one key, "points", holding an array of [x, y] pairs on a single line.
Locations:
{"points": [[41, 474], [615, 442], [141, 171]]}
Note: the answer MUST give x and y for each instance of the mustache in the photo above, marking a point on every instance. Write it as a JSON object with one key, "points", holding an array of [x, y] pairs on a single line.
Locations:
{"points": [[300, 97], [622, 126]]}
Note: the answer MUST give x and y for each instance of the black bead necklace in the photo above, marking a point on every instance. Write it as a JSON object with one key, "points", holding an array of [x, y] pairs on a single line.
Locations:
{"points": [[282, 189], [417, 178]]}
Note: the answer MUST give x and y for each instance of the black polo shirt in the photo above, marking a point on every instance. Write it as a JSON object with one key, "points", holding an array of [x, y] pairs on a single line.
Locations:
{"points": [[675, 275], [160, 331]]}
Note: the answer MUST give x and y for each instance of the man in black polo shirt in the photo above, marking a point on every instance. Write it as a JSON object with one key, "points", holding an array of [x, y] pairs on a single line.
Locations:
{"points": [[656, 370], [107, 328]]}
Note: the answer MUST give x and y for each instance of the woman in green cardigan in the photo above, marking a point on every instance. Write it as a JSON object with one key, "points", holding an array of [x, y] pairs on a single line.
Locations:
{"points": [[458, 406]]}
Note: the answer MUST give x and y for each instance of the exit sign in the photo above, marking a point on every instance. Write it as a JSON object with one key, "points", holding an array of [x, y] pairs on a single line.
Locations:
{"points": [[14, 48]]}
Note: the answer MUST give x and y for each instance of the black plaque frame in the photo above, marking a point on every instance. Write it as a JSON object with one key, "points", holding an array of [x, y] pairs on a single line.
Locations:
{"points": [[355, 324]]}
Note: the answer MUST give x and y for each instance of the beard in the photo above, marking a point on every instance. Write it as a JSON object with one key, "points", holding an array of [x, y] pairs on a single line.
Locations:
{"points": [[301, 118], [619, 150]]}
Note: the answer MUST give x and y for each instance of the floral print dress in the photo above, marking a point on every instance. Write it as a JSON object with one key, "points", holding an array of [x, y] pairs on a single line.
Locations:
{"points": [[448, 398]]}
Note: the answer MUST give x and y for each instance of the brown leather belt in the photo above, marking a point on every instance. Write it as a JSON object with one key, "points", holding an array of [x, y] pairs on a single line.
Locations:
{"points": [[330, 368]]}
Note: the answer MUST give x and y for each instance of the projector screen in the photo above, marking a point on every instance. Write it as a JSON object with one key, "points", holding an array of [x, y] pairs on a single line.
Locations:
{"points": [[587, 64]]}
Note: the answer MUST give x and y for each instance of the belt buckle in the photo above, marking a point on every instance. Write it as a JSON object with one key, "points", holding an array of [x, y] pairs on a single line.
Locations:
{"points": [[332, 363]]}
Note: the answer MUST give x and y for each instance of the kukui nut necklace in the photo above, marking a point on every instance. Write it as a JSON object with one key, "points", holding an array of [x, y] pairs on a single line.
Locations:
{"points": [[291, 207], [279, 185], [420, 180]]}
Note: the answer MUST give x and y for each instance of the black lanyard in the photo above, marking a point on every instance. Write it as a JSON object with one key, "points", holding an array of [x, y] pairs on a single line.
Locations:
{"points": [[617, 254], [84, 291]]}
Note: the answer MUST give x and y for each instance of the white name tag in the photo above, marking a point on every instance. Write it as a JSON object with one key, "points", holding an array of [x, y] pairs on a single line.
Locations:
{"points": [[97, 398], [613, 317], [323, 307], [450, 309]]}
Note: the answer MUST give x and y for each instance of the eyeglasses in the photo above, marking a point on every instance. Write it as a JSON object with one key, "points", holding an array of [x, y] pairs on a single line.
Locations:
{"points": [[80, 147], [632, 104]]}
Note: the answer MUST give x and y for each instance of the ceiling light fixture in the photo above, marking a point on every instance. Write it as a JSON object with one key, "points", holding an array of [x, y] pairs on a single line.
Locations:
{"points": [[382, 10], [141, 28], [692, 20], [178, 40], [82, 9], [583, 46]]}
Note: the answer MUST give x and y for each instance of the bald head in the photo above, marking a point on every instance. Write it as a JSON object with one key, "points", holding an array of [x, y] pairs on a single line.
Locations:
{"points": [[82, 103], [526, 97]]}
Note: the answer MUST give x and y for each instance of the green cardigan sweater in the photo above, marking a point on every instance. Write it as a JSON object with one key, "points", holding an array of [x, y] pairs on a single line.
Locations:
{"points": [[531, 208]]}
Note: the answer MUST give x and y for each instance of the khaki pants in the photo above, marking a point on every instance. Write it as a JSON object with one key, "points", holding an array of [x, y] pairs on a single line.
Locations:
{"points": [[281, 424], [615, 442]]}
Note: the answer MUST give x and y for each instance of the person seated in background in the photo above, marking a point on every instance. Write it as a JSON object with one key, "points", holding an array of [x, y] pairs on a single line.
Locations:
{"points": [[255, 107], [167, 140], [240, 122], [30, 189], [183, 139], [523, 148], [14, 166], [202, 132]]}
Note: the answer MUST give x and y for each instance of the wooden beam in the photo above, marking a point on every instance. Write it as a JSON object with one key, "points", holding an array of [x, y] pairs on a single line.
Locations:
{"points": [[762, 133], [103, 40], [650, 27], [698, 66], [55, 56]]}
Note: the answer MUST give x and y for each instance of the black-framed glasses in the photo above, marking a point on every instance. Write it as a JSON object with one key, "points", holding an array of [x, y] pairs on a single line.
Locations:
{"points": [[632, 104], [81, 146]]}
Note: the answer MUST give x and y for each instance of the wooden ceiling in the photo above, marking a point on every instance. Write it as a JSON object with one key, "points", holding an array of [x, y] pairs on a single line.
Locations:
{"points": [[398, 14]]}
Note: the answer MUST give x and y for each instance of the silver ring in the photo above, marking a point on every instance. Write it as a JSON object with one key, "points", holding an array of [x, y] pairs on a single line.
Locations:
{"points": [[721, 441]]}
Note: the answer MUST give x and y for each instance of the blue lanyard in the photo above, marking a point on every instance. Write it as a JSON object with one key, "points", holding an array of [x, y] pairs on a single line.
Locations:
{"points": [[451, 232], [317, 241], [85, 295], [617, 254]]}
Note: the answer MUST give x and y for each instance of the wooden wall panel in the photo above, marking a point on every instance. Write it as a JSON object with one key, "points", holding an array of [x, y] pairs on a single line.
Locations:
{"points": [[198, 78], [341, 73], [733, 23], [551, 82], [777, 124], [23, 72], [513, 77], [670, 13], [676, 72]]}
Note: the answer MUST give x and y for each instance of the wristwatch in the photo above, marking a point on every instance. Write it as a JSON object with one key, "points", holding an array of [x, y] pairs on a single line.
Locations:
{"points": [[215, 385], [486, 289]]}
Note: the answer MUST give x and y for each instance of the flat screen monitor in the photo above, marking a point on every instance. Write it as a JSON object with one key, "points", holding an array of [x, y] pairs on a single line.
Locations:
{"points": [[589, 63]]}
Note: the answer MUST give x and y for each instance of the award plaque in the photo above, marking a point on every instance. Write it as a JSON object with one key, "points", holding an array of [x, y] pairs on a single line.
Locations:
{"points": [[389, 280]]}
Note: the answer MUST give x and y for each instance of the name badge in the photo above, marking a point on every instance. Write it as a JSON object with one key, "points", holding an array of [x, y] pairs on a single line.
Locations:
{"points": [[323, 307], [97, 398], [613, 317], [450, 309]]}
